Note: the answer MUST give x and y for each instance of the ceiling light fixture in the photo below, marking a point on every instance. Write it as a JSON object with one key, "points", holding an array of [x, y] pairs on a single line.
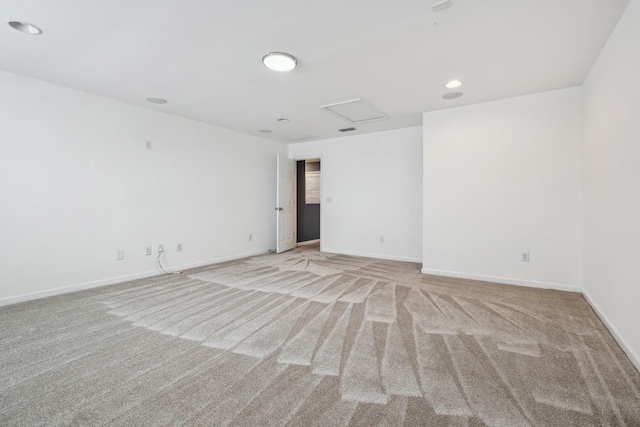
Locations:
{"points": [[26, 28], [265, 131], [452, 84], [279, 61], [283, 120], [153, 100]]}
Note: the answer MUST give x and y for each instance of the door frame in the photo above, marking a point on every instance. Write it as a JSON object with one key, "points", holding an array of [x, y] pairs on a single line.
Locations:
{"points": [[310, 157]]}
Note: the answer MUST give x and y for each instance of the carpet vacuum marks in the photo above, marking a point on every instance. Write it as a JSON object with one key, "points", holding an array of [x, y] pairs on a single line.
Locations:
{"points": [[306, 338]]}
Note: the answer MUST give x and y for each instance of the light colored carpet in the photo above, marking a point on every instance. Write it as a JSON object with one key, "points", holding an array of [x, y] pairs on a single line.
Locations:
{"points": [[306, 338]]}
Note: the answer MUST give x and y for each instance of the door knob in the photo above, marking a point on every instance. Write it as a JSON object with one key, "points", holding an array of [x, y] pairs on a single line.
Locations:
{"points": [[279, 209]]}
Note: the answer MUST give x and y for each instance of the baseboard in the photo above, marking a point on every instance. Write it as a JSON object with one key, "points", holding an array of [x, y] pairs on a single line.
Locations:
{"points": [[505, 280], [74, 288], [218, 260], [377, 256], [119, 279], [632, 355]]}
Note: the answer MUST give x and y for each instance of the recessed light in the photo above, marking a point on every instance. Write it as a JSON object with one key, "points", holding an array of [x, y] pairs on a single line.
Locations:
{"points": [[283, 120], [452, 95], [279, 61], [265, 131], [153, 100], [26, 28], [452, 84]]}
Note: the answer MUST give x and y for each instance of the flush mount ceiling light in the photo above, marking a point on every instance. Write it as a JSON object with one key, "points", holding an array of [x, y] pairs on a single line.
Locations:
{"points": [[452, 84], [279, 61], [154, 100], [452, 95], [283, 120], [265, 131], [26, 28]]}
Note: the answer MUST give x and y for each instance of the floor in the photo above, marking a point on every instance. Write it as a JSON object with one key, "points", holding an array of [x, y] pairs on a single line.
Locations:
{"points": [[308, 338]]}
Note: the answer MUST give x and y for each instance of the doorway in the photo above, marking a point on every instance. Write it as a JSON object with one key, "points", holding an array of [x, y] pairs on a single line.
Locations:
{"points": [[308, 180]]}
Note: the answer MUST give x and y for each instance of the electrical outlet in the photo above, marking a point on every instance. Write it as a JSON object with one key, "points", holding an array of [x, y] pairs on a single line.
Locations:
{"points": [[149, 250], [381, 239], [250, 237], [120, 255], [525, 257], [148, 144], [160, 249], [179, 247]]}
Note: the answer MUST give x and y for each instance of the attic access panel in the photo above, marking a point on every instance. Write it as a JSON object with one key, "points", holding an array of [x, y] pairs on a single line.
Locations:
{"points": [[356, 111]]}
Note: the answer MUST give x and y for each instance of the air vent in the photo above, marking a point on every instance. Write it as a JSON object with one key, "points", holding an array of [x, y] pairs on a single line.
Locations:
{"points": [[347, 129], [356, 111], [441, 5]]}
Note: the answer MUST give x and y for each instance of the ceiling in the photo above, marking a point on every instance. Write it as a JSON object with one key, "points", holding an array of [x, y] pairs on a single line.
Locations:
{"points": [[204, 57]]}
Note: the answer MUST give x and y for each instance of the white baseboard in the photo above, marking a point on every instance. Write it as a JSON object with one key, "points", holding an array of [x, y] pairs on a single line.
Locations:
{"points": [[219, 260], [505, 280], [119, 279], [632, 355], [377, 256], [74, 288]]}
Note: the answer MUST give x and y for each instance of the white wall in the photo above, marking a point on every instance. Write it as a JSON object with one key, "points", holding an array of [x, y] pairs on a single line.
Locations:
{"points": [[375, 183], [502, 178], [77, 185], [612, 182]]}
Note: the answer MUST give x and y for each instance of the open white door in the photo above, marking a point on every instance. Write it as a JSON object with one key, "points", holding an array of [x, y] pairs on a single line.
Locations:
{"points": [[286, 209]]}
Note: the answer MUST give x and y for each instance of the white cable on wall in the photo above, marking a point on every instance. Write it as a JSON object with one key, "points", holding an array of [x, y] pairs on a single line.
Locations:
{"points": [[160, 252]]}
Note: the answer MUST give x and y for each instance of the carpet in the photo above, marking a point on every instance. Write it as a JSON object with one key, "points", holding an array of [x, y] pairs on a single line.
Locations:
{"points": [[306, 338]]}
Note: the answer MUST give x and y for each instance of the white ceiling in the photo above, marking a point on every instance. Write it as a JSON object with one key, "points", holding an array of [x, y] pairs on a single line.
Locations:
{"points": [[204, 56]]}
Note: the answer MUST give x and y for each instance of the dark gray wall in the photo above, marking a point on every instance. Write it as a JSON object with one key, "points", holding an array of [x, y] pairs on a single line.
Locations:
{"points": [[308, 215]]}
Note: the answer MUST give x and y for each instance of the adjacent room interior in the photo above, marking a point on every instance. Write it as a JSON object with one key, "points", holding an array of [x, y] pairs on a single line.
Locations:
{"points": [[465, 188], [308, 184]]}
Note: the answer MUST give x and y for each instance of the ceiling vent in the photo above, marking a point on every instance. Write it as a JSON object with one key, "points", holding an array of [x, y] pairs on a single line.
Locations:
{"points": [[347, 129], [356, 111], [441, 5]]}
